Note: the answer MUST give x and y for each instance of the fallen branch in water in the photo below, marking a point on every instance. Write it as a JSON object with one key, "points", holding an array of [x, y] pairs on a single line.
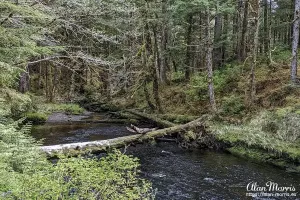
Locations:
{"points": [[135, 129], [102, 145], [159, 122]]}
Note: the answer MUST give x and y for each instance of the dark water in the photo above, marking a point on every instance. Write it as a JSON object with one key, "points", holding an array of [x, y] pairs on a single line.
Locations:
{"points": [[180, 174], [176, 173], [63, 133]]}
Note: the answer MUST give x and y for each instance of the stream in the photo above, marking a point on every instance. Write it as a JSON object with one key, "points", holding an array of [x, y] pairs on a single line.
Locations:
{"points": [[176, 173]]}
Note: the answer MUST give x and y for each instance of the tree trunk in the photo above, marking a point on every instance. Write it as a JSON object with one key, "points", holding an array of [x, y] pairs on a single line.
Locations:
{"points": [[209, 63], [40, 76], [156, 53], [72, 85], [270, 35], [200, 51], [151, 64], [150, 55], [188, 47], [294, 64], [225, 42], [256, 14], [155, 73], [156, 93], [243, 43], [236, 28], [266, 28], [217, 52], [147, 96], [164, 42], [24, 81], [159, 122]]}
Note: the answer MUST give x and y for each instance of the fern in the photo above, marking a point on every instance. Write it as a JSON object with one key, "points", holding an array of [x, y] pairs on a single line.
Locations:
{"points": [[25, 172]]}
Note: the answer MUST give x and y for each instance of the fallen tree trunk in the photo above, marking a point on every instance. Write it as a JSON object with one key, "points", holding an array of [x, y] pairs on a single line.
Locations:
{"points": [[159, 122], [83, 147], [124, 115], [135, 129], [117, 121], [181, 119]]}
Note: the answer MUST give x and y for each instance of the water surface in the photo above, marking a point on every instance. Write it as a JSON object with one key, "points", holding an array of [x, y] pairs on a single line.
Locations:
{"points": [[176, 173], [201, 174]]}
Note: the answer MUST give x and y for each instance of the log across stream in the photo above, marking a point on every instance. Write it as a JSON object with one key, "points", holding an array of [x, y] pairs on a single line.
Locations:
{"points": [[176, 173], [122, 141]]}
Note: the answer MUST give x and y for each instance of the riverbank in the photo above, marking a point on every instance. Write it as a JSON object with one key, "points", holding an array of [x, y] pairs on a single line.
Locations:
{"points": [[50, 112], [251, 140], [261, 149], [194, 174]]}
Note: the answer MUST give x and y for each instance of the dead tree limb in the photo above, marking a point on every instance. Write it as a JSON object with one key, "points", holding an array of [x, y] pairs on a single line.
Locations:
{"points": [[95, 146], [159, 122]]}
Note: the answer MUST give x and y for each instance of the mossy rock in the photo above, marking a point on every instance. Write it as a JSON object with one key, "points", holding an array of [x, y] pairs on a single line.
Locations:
{"points": [[73, 109], [36, 118], [68, 108]]}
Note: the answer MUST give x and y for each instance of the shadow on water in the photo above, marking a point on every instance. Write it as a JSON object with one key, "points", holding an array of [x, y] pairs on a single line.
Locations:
{"points": [[176, 173]]}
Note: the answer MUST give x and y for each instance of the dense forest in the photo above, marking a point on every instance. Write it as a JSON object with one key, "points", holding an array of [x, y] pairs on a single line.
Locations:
{"points": [[231, 64]]}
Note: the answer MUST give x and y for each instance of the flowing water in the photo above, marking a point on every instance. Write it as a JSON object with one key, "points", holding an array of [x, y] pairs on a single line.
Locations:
{"points": [[176, 173]]}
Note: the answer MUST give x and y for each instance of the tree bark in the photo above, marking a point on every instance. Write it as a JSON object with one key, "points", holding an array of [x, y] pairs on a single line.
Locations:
{"points": [[294, 64], [156, 93], [150, 52], [266, 28], [209, 63], [243, 44], [256, 14], [24, 81], [236, 29], [147, 96], [155, 74], [164, 42], [225, 42], [217, 52], [188, 47], [156, 53], [270, 35], [159, 122]]}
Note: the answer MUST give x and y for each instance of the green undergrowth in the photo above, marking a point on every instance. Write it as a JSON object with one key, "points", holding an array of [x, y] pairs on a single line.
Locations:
{"points": [[27, 174], [231, 84], [14, 104], [36, 118], [275, 133], [261, 156], [40, 113], [68, 108]]}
